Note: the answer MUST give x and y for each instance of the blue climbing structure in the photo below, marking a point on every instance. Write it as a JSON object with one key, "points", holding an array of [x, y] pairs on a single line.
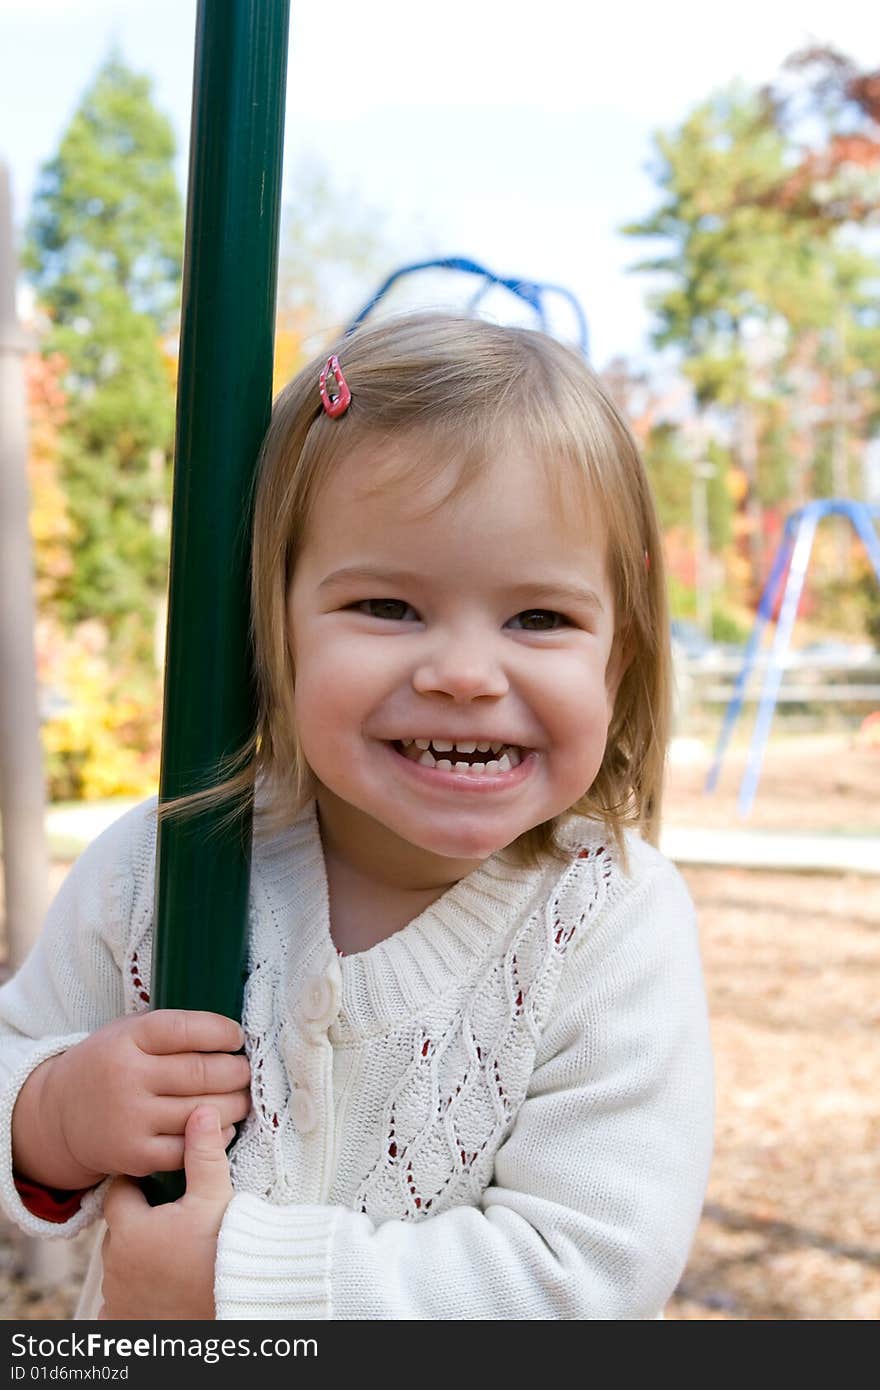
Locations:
{"points": [[533, 293]]}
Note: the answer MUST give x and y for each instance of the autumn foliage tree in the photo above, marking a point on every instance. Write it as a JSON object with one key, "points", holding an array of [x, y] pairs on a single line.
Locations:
{"points": [[51, 527], [825, 103]]}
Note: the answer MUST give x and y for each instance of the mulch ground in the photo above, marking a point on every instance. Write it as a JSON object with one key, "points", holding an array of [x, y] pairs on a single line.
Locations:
{"points": [[791, 1223]]}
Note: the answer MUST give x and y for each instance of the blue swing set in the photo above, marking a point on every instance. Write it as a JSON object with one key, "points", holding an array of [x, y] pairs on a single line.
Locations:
{"points": [[790, 565]]}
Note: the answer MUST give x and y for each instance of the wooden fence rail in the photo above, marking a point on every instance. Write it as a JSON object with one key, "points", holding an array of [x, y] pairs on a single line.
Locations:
{"points": [[711, 680]]}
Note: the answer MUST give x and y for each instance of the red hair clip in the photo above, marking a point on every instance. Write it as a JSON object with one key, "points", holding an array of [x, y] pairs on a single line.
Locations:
{"points": [[334, 405]]}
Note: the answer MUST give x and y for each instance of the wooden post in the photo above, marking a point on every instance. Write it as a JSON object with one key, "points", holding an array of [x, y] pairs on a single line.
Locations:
{"points": [[22, 785]]}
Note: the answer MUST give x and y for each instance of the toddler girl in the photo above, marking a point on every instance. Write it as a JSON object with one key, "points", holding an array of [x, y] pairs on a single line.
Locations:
{"points": [[478, 1080]]}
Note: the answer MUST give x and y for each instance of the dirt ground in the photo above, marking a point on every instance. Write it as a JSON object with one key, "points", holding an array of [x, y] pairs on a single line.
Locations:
{"points": [[813, 783], [791, 1223]]}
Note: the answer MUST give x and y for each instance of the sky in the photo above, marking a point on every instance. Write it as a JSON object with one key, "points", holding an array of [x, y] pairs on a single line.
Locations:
{"points": [[516, 134]]}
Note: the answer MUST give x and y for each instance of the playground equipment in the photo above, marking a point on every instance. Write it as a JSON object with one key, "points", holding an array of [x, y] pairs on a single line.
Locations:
{"points": [[533, 293], [790, 564], [223, 407]]}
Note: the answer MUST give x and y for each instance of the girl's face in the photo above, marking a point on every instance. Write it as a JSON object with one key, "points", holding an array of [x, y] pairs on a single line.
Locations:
{"points": [[486, 623]]}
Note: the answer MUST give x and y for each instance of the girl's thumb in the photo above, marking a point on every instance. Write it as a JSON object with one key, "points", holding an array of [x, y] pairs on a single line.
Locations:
{"points": [[204, 1156]]}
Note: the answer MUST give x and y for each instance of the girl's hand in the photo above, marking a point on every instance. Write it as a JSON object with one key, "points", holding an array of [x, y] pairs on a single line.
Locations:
{"points": [[159, 1261], [119, 1101]]}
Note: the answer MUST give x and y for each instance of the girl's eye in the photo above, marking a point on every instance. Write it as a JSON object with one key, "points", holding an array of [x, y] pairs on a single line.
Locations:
{"points": [[393, 609], [539, 620], [396, 610]]}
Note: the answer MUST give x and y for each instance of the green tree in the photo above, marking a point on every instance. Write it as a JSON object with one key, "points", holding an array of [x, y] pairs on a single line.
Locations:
{"points": [[768, 303], [728, 259], [104, 250]]}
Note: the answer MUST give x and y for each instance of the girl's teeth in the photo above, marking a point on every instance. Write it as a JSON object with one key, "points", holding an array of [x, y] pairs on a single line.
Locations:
{"points": [[418, 750], [441, 746]]}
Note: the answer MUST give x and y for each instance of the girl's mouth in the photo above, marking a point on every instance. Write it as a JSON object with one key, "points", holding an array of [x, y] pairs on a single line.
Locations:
{"points": [[465, 764]]}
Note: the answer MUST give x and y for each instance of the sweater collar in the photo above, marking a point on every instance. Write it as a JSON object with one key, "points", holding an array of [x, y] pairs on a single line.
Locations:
{"points": [[433, 952]]}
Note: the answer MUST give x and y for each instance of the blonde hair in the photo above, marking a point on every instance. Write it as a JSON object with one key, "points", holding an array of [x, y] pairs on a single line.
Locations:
{"points": [[463, 385]]}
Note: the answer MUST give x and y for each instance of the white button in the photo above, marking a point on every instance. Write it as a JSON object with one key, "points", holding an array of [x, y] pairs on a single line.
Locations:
{"points": [[303, 1111], [319, 1001]]}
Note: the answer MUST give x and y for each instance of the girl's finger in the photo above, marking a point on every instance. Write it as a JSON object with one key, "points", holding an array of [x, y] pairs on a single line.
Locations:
{"points": [[165, 1154], [169, 1114], [195, 1074], [207, 1167], [163, 1031]]}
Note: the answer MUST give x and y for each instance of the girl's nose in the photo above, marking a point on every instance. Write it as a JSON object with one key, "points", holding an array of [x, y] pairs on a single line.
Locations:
{"points": [[462, 668]]}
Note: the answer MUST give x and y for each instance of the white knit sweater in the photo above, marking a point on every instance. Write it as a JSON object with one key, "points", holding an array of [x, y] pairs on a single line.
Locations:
{"points": [[504, 1110]]}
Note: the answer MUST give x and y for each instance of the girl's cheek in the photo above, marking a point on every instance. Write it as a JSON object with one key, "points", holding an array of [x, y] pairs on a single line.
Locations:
{"points": [[365, 665]]}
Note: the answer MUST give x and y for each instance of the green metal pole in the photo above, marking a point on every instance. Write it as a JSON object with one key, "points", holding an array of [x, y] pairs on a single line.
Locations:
{"points": [[223, 407]]}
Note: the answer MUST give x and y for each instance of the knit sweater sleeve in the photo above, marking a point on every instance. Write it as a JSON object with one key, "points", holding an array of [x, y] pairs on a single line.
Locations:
{"points": [[69, 985], [596, 1192]]}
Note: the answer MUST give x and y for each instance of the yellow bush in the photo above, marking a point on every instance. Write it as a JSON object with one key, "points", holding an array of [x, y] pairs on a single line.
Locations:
{"points": [[102, 724]]}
